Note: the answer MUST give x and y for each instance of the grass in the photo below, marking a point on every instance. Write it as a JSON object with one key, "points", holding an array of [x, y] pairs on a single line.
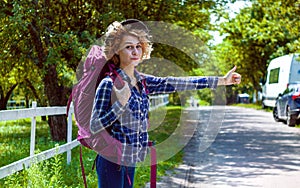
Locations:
{"points": [[15, 144], [15, 139], [254, 106]]}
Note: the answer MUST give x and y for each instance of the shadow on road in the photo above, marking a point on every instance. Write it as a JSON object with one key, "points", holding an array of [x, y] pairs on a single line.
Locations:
{"points": [[250, 149]]}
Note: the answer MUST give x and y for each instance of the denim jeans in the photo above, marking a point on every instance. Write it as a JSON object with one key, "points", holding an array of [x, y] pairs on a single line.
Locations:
{"points": [[112, 175]]}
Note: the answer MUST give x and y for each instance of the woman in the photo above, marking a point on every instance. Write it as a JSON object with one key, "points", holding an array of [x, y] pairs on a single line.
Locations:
{"points": [[124, 111]]}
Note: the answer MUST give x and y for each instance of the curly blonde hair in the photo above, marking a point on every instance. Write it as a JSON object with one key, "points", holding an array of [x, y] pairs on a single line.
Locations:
{"points": [[115, 33]]}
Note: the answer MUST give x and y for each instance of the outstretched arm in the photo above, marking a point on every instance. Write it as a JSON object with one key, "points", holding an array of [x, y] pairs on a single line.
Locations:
{"points": [[230, 78]]}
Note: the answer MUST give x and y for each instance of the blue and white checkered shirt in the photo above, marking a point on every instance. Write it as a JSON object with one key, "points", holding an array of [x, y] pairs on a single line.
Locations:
{"points": [[129, 123]]}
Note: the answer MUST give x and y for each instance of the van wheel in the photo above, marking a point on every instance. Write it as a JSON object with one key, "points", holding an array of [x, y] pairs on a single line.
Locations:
{"points": [[291, 118], [275, 114]]}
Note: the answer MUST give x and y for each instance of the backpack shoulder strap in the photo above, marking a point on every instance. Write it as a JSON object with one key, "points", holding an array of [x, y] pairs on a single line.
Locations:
{"points": [[116, 78], [144, 83], [153, 163]]}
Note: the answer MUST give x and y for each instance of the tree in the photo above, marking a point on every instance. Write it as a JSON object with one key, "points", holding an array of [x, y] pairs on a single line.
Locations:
{"points": [[256, 35], [34, 44]]}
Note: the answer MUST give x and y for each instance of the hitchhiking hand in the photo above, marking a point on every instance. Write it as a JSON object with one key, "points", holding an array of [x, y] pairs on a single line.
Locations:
{"points": [[230, 78]]}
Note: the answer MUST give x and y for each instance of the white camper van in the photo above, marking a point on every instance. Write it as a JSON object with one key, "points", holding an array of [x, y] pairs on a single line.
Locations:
{"points": [[281, 71]]}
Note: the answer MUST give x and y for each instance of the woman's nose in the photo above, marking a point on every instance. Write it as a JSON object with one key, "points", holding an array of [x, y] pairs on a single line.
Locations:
{"points": [[134, 51]]}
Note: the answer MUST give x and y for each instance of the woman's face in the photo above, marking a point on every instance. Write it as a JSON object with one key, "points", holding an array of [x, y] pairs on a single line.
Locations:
{"points": [[130, 51]]}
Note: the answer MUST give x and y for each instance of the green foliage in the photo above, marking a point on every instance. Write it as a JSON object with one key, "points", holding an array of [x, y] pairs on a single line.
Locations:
{"points": [[56, 169], [259, 33], [40, 175], [44, 34]]}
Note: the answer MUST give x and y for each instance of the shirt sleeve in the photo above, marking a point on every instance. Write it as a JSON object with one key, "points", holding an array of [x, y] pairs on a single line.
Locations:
{"points": [[104, 114], [156, 85]]}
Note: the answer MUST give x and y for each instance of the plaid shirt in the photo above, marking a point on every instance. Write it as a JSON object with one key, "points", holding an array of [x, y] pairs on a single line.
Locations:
{"points": [[129, 123]]}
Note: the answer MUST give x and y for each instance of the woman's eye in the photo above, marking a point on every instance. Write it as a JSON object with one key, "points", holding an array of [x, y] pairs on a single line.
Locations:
{"points": [[132, 47]]}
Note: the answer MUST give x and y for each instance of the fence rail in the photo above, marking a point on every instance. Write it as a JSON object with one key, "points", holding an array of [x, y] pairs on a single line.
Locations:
{"points": [[7, 115]]}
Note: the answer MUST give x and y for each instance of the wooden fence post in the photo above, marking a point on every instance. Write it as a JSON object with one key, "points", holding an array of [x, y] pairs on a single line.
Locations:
{"points": [[33, 126], [69, 133]]}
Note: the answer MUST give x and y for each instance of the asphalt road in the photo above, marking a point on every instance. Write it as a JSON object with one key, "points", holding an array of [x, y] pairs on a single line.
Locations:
{"points": [[237, 147]]}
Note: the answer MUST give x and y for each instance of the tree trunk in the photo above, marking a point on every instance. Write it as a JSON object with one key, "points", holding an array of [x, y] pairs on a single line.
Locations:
{"points": [[55, 93], [4, 97], [56, 97], [58, 127]]}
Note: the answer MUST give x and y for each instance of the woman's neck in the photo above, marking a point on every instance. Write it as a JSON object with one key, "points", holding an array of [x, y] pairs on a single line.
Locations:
{"points": [[129, 70]]}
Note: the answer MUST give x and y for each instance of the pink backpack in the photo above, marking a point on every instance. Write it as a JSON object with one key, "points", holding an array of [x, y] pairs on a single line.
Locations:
{"points": [[96, 68], [82, 95]]}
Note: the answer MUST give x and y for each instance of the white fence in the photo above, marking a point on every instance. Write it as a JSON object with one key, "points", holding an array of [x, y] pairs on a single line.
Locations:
{"points": [[7, 115]]}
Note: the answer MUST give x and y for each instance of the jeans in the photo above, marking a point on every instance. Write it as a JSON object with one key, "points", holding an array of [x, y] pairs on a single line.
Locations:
{"points": [[112, 175]]}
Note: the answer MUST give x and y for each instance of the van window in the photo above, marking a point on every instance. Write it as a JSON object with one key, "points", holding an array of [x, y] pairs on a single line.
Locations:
{"points": [[274, 76], [295, 69]]}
